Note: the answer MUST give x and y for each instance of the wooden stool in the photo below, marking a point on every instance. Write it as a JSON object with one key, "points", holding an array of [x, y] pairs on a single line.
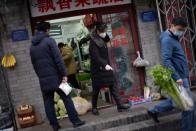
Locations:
{"points": [[103, 92]]}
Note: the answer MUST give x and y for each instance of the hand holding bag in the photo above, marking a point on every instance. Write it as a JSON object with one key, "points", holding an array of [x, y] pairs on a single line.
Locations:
{"points": [[188, 102], [66, 88]]}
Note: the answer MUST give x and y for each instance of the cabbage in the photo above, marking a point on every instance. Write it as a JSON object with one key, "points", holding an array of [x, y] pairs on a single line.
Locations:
{"points": [[60, 104], [56, 97], [56, 107], [57, 113], [62, 113]]}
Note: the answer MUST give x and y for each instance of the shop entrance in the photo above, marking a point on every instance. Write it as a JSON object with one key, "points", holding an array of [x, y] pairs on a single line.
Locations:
{"points": [[69, 28], [73, 32], [122, 52]]}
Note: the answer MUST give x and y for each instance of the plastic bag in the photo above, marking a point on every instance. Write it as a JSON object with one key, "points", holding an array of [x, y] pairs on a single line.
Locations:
{"points": [[188, 102], [139, 62], [66, 88], [146, 92], [81, 105]]}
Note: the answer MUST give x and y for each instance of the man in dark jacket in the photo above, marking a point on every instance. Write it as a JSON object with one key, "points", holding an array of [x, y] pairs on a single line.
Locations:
{"points": [[173, 57], [50, 69], [102, 72]]}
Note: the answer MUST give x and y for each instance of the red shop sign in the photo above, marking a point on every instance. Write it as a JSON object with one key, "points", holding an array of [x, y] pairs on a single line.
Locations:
{"points": [[47, 7]]}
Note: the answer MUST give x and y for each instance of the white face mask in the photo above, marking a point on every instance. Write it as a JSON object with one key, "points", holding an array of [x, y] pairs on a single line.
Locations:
{"points": [[102, 35], [178, 33]]}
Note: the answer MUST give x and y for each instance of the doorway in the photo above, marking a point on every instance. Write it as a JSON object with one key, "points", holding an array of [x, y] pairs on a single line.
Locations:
{"points": [[69, 28]]}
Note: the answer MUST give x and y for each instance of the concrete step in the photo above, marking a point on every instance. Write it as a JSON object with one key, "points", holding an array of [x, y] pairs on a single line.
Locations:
{"points": [[116, 121], [168, 123]]}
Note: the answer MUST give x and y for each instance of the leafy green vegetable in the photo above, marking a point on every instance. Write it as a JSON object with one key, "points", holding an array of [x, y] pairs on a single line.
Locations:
{"points": [[56, 97], [82, 76], [62, 113], [57, 113], [60, 108], [56, 107], [60, 104], [163, 78]]}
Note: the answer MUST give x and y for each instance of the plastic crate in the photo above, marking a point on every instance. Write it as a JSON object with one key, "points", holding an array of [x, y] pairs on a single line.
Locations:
{"points": [[138, 102], [27, 123], [27, 112]]}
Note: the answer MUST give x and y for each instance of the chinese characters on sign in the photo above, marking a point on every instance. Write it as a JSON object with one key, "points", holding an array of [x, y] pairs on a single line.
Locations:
{"points": [[122, 31], [64, 4], [82, 2], [47, 7], [105, 1]]}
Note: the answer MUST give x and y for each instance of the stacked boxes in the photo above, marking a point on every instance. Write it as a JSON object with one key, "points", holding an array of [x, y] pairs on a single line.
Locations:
{"points": [[26, 116]]}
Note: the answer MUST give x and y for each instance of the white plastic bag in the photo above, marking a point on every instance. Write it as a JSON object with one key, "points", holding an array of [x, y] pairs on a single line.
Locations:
{"points": [[188, 102], [66, 88], [139, 62], [146, 92], [81, 105]]}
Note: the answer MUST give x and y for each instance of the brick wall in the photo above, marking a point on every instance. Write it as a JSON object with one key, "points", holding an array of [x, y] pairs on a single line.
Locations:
{"points": [[149, 37], [23, 81]]}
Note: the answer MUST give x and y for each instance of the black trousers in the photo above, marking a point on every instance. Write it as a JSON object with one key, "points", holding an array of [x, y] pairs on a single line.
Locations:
{"points": [[50, 110], [113, 90], [73, 81]]}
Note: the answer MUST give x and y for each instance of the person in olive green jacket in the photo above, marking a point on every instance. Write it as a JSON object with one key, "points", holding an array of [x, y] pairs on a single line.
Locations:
{"points": [[70, 63]]}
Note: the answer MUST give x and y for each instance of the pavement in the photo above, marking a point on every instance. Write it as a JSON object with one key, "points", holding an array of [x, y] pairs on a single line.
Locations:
{"points": [[89, 118], [109, 120]]}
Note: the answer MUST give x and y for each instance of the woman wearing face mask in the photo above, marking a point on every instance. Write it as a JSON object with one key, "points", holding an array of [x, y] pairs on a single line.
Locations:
{"points": [[102, 72]]}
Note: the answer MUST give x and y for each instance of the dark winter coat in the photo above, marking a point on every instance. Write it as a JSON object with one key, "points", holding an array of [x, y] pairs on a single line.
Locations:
{"points": [[99, 59], [47, 61]]}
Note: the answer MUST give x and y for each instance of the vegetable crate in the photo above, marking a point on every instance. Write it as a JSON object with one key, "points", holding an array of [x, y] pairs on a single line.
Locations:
{"points": [[136, 100]]}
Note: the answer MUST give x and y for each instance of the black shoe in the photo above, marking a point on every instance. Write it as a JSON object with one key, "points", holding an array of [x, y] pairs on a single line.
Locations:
{"points": [[78, 124], [121, 108], [95, 111], [56, 128], [154, 116]]}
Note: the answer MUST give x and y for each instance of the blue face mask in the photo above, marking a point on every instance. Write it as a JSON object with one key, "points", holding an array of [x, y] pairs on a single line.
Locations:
{"points": [[178, 33]]}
